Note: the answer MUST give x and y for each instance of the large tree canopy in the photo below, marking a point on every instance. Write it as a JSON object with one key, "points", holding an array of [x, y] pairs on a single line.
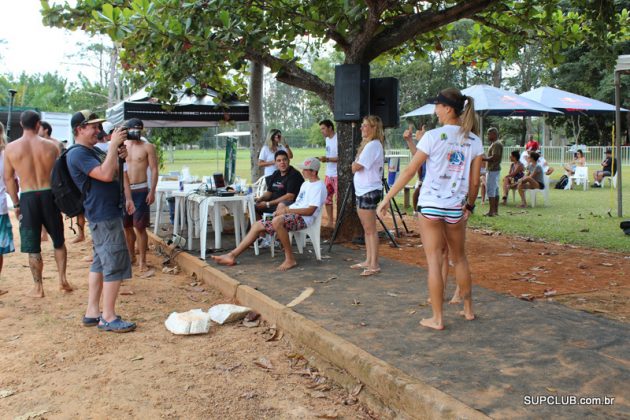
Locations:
{"points": [[211, 41], [172, 40]]}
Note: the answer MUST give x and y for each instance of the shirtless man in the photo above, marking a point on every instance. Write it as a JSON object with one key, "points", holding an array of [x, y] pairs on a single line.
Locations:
{"points": [[45, 131], [32, 157], [140, 155]]}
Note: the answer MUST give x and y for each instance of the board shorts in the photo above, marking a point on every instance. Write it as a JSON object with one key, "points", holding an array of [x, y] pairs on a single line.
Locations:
{"points": [[450, 216], [292, 222], [111, 255], [37, 209], [369, 200], [492, 184], [6, 235], [331, 189], [140, 219]]}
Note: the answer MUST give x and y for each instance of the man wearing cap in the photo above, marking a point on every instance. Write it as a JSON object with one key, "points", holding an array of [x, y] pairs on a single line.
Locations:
{"points": [[32, 158], [299, 215], [141, 155], [104, 136], [111, 263], [609, 168], [495, 154]]}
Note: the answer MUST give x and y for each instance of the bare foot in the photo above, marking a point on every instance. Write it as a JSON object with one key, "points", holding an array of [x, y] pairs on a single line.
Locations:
{"points": [[455, 300], [77, 239], [287, 265], [432, 323], [226, 259], [143, 267], [3, 292], [66, 287], [469, 316], [36, 292]]}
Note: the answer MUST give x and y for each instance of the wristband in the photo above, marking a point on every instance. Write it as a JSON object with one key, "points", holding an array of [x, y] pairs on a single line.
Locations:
{"points": [[16, 205], [470, 207]]}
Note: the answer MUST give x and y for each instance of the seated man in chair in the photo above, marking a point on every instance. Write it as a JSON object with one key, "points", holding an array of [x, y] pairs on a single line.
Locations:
{"points": [[282, 186], [297, 216], [609, 168]]}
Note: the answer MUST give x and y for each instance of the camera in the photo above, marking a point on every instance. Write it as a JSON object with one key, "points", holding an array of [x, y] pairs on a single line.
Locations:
{"points": [[134, 128], [134, 134]]}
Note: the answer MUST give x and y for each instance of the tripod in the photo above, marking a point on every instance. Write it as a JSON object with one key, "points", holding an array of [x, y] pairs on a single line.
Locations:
{"points": [[350, 193], [393, 204]]}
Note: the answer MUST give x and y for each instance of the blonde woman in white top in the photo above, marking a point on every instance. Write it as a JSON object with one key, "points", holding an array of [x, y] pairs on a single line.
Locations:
{"points": [[266, 158], [368, 188], [454, 155]]}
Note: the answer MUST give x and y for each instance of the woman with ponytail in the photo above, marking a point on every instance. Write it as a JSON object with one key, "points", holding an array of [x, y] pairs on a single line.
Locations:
{"points": [[454, 155], [6, 230]]}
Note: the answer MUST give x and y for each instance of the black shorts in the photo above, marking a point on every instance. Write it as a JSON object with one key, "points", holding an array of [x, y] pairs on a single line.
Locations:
{"points": [[38, 209], [370, 200]]}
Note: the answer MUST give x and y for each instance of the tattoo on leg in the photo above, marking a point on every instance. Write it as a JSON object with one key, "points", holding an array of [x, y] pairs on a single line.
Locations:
{"points": [[35, 262]]}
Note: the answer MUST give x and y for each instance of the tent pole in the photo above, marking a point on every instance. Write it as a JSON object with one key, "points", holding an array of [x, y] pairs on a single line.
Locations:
{"points": [[618, 141]]}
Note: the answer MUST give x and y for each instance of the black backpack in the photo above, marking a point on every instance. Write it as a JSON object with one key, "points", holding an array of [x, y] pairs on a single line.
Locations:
{"points": [[67, 196], [562, 182]]}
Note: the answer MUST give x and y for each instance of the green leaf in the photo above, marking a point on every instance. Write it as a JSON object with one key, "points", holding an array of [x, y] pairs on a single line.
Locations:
{"points": [[225, 18]]}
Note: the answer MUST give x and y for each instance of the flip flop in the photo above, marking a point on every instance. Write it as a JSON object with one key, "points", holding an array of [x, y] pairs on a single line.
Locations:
{"points": [[370, 272], [358, 266]]}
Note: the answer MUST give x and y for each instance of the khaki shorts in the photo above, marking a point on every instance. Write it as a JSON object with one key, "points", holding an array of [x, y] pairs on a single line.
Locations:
{"points": [[111, 256]]}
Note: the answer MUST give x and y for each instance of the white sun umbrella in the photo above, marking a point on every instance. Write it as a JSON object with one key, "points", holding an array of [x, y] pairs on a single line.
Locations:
{"points": [[569, 103], [492, 101], [427, 109]]}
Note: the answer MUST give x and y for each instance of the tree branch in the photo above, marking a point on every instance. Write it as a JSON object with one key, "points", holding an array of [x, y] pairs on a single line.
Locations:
{"points": [[408, 27], [293, 75]]}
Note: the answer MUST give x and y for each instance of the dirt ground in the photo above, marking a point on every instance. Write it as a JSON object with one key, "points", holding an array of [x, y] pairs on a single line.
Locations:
{"points": [[53, 367], [591, 280]]}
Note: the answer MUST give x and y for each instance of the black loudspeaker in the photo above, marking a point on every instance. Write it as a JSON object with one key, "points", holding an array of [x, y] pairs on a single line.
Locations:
{"points": [[352, 92], [384, 100]]}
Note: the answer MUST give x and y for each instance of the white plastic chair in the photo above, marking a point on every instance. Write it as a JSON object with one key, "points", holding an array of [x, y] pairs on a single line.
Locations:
{"points": [[259, 187], [313, 231], [612, 181], [544, 192], [579, 177]]}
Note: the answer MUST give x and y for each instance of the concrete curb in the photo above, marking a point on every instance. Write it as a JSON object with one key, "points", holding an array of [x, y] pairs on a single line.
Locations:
{"points": [[399, 392]]}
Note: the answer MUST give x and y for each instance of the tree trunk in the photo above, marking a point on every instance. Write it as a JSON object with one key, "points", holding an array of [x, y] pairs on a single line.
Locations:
{"points": [[113, 77], [256, 117], [497, 73], [350, 224]]}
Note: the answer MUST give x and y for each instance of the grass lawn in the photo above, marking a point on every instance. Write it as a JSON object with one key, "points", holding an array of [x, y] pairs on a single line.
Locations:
{"points": [[574, 217], [207, 162]]}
